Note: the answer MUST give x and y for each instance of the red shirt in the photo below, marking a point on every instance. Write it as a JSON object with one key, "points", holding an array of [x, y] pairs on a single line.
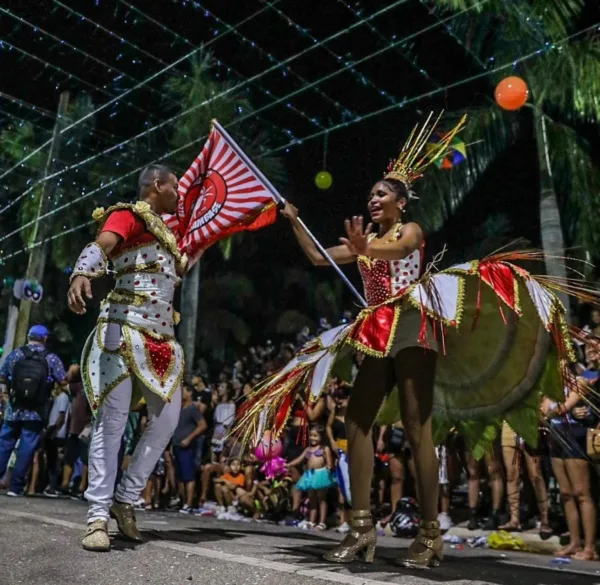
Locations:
{"points": [[129, 227]]}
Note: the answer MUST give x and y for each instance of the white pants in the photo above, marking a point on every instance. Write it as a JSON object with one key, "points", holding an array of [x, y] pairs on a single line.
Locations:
{"points": [[107, 436]]}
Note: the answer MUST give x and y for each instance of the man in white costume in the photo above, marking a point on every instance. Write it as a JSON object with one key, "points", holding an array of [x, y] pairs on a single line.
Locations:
{"points": [[132, 352]]}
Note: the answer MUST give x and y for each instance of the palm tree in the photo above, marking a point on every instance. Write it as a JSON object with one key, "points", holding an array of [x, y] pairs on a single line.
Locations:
{"points": [[198, 86], [564, 84]]}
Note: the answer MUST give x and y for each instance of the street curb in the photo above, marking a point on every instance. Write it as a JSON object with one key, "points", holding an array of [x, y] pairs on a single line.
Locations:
{"points": [[530, 538]]}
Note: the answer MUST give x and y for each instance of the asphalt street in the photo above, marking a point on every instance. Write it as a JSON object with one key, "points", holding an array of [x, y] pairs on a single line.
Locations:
{"points": [[40, 540]]}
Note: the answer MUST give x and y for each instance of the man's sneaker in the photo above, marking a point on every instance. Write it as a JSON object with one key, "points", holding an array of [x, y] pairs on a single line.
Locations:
{"points": [[50, 493], [12, 494], [343, 528], [185, 510], [445, 521], [125, 517], [96, 537]]}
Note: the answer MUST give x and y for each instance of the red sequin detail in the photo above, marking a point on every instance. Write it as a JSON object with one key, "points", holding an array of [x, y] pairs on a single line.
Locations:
{"points": [[161, 354]]}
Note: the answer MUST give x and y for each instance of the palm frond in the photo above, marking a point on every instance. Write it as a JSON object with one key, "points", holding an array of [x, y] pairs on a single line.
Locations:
{"points": [[488, 133], [567, 80], [551, 17], [577, 182]]}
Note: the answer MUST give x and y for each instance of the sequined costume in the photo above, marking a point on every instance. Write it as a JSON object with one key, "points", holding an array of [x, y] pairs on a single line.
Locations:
{"points": [[147, 270], [499, 330]]}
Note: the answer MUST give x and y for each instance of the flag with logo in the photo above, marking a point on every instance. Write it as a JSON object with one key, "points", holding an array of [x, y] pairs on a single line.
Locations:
{"points": [[220, 194]]}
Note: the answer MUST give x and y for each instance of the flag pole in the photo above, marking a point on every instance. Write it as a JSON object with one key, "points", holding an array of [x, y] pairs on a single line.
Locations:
{"points": [[281, 201]]}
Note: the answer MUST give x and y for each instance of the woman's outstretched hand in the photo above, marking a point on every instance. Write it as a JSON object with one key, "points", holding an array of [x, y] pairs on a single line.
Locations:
{"points": [[358, 237], [290, 211]]}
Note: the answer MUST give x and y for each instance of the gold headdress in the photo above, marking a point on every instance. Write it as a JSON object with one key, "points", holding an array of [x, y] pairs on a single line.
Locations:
{"points": [[412, 161]]}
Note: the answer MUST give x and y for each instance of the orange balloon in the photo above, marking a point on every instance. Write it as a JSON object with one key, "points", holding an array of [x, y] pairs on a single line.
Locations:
{"points": [[511, 93]]}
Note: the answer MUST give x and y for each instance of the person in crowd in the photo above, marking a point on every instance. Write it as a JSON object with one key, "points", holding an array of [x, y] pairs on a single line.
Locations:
{"points": [[56, 436], [514, 450], [317, 477], [224, 417], [338, 442], [190, 427], [492, 463], [231, 486], [26, 379], [569, 424], [392, 442], [80, 427]]}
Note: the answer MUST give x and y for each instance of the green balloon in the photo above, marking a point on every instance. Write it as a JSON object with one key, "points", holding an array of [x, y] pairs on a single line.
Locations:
{"points": [[323, 180]]}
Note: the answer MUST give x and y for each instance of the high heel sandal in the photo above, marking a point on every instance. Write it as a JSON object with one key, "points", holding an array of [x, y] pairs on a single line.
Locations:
{"points": [[363, 544], [430, 541]]}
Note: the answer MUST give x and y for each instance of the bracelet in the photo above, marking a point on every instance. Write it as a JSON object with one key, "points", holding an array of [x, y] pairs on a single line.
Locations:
{"points": [[92, 262]]}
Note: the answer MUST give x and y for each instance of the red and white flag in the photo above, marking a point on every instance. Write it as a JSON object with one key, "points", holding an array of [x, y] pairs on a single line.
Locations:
{"points": [[220, 194]]}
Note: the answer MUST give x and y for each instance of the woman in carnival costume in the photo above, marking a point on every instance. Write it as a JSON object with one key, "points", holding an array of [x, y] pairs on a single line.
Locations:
{"points": [[466, 347]]}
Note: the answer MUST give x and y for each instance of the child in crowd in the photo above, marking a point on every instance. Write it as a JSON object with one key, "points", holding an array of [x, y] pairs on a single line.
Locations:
{"points": [[230, 488], [317, 477], [191, 425]]}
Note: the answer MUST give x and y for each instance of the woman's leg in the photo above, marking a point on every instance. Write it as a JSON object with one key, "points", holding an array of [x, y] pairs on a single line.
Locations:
{"points": [[474, 480], [510, 455], [415, 374], [578, 471], [534, 470], [398, 475], [568, 501], [374, 381], [494, 467]]}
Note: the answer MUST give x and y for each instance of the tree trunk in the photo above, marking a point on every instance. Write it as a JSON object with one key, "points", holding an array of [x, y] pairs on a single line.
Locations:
{"points": [[553, 243], [37, 256], [189, 316]]}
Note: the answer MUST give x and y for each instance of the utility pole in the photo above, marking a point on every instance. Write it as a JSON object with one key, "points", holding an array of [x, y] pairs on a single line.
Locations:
{"points": [[189, 316], [37, 255]]}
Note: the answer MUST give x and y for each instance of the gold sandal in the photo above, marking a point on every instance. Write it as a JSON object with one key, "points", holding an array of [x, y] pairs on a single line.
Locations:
{"points": [[427, 549], [363, 544]]}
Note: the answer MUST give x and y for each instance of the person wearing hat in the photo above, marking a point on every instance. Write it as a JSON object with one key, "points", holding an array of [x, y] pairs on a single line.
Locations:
{"points": [[26, 379]]}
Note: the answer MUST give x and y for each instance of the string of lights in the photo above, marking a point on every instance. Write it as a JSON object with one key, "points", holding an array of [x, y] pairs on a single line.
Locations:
{"points": [[221, 63], [346, 112], [116, 99], [433, 12], [361, 77], [414, 99], [20, 122], [109, 32], [385, 39], [4, 43], [109, 68], [41, 112], [250, 114]]}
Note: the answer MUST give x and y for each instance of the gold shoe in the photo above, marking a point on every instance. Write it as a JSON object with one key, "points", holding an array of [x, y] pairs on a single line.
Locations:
{"points": [[360, 544], [96, 537], [427, 549], [125, 517]]}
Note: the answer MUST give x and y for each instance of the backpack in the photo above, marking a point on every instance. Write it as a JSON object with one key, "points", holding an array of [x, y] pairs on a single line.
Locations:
{"points": [[29, 388]]}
